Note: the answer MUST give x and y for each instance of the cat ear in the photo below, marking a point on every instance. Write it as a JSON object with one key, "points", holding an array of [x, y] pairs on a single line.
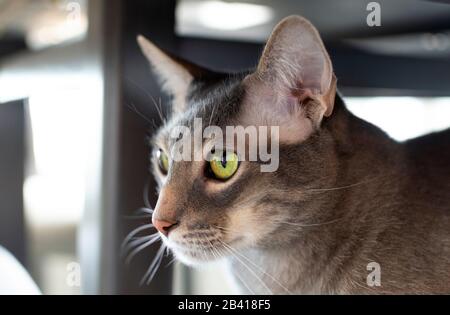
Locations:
{"points": [[294, 86], [174, 74]]}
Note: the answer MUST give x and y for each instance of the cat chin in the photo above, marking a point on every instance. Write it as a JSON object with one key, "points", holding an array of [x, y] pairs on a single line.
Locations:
{"points": [[189, 261], [191, 257], [192, 261]]}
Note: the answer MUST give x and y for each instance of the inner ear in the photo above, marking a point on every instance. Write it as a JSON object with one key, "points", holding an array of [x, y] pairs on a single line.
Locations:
{"points": [[294, 85]]}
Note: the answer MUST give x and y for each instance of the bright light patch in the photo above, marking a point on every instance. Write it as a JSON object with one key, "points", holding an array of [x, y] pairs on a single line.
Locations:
{"points": [[403, 118], [226, 16], [62, 126], [63, 23], [46, 36], [53, 200]]}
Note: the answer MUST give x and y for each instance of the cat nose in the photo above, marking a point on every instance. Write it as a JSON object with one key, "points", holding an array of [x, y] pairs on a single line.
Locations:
{"points": [[163, 226]]}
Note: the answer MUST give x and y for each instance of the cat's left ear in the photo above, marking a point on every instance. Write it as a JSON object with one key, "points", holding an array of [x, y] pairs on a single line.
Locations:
{"points": [[294, 86], [175, 74]]}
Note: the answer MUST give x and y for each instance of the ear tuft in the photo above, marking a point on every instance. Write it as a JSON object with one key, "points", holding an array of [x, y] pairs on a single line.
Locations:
{"points": [[174, 74]]}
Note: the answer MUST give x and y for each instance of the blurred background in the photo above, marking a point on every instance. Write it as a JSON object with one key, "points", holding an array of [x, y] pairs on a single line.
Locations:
{"points": [[78, 101]]}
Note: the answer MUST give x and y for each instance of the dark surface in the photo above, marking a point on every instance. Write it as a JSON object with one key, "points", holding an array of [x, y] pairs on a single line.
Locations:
{"points": [[12, 153], [10, 45], [359, 72], [139, 117]]}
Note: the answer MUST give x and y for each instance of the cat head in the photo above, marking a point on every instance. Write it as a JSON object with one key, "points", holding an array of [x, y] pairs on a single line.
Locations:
{"points": [[222, 201]]}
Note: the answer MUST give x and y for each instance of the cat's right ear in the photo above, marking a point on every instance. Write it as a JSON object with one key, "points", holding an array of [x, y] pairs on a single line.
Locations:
{"points": [[175, 75], [294, 86]]}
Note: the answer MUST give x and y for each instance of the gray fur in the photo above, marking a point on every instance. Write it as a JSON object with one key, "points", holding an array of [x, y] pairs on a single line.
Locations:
{"points": [[346, 196]]}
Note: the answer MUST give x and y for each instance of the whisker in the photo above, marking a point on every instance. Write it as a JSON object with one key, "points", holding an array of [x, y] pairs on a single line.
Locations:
{"points": [[136, 217], [260, 269], [217, 254], [153, 239], [213, 249], [145, 210], [224, 228], [134, 233], [308, 225], [135, 241], [141, 213], [145, 196], [205, 256], [341, 187], [159, 110], [244, 283], [149, 275], [248, 268], [133, 107], [237, 274], [212, 114], [171, 262]]}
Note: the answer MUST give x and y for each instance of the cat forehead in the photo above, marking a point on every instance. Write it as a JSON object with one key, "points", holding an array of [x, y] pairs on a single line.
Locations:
{"points": [[216, 102]]}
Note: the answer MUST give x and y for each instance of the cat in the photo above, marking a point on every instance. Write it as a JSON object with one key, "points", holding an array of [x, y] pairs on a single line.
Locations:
{"points": [[348, 211]]}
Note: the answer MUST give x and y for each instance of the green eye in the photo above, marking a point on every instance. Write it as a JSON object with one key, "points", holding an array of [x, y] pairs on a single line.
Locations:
{"points": [[224, 164], [163, 161]]}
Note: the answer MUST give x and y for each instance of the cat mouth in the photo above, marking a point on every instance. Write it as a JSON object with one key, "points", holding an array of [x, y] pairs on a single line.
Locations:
{"points": [[202, 245]]}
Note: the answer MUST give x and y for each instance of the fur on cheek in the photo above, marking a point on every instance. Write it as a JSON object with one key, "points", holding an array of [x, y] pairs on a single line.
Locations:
{"points": [[248, 227]]}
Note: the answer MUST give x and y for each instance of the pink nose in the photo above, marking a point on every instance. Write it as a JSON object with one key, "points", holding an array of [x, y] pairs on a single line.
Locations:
{"points": [[163, 226]]}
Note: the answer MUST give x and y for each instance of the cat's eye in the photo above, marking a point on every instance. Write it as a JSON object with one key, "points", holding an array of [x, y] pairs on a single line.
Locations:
{"points": [[163, 161], [223, 165]]}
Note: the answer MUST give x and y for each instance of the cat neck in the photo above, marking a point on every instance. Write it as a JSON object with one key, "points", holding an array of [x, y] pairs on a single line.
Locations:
{"points": [[354, 135], [365, 156]]}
